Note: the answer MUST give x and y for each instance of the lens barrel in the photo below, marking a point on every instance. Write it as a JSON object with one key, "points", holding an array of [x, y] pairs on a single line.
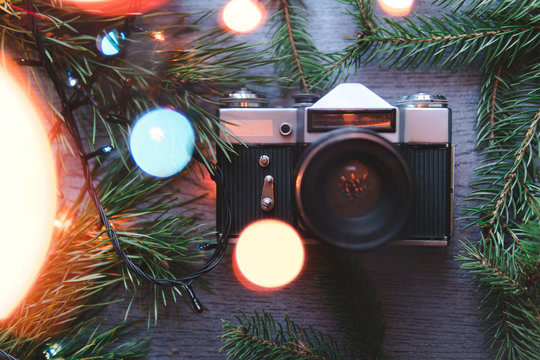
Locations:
{"points": [[353, 189]]}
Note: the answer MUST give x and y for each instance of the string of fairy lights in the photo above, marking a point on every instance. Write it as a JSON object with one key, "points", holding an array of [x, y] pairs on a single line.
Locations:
{"points": [[156, 154]]}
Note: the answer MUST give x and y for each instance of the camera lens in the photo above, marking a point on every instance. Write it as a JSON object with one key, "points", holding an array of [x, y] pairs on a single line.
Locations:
{"points": [[353, 189]]}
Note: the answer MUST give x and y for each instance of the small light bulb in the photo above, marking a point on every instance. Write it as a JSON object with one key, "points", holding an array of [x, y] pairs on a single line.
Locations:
{"points": [[158, 36], [243, 16], [109, 44], [269, 254], [396, 7], [52, 351], [72, 81]]}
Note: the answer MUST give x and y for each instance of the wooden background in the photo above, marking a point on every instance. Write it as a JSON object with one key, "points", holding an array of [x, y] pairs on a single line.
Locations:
{"points": [[429, 303]]}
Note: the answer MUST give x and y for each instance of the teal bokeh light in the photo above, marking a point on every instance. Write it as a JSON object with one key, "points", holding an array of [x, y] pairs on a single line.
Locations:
{"points": [[162, 142], [109, 44]]}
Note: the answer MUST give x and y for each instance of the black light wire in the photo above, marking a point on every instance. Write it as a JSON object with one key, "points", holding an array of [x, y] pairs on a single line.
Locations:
{"points": [[5, 356], [67, 111], [217, 176]]}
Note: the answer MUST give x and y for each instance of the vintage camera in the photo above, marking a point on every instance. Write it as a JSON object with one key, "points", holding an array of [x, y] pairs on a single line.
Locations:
{"points": [[349, 169]]}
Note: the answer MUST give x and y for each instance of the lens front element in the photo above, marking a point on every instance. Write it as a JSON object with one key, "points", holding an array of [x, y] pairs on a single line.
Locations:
{"points": [[353, 189]]}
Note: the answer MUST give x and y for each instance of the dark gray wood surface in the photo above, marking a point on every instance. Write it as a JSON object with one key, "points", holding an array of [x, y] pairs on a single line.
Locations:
{"points": [[429, 303]]}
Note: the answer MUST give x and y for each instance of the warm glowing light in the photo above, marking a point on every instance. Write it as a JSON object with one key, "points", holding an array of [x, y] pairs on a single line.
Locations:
{"points": [[269, 254], [243, 16], [115, 7], [396, 7], [61, 223], [27, 192], [158, 36]]}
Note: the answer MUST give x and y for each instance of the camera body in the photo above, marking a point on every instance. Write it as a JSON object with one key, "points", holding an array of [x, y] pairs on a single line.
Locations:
{"points": [[349, 169]]}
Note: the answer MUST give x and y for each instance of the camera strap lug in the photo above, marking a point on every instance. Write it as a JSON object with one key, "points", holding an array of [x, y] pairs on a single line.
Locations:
{"points": [[267, 197]]}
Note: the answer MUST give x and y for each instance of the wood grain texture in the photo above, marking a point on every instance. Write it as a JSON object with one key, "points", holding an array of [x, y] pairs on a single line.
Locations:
{"points": [[429, 303]]}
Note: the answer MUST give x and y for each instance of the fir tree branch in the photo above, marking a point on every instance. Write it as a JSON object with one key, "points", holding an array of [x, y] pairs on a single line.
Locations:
{"points": [[490, 272], [298, 352], [181, 78], [451, 42], [505, 261], [87, 340], [366, 11], [454, 40], [523, 10], [494, 97], [362, 11], [512, 308], [338, 64], [100, 77], [355, 305], [261, 337], [285, 7], [510, 142], [512, 175], [450, 37], [298, 60]]}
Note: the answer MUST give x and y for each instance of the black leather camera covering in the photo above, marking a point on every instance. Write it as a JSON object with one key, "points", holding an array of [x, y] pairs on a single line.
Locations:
{"points": [[427, 216]]}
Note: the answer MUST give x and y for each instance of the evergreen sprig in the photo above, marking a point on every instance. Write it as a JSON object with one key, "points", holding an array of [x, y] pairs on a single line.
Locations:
{"points": [[508, 116], [506, 260], [452, 40], [524, 10], [299, 61], [510, 278], [260, 337], [89, 340], [153, 227], [188, 71], [81, 270]]}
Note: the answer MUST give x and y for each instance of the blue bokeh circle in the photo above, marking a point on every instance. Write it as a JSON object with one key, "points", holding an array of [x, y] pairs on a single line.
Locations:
{"points": [[109, 44], [162, 142]]}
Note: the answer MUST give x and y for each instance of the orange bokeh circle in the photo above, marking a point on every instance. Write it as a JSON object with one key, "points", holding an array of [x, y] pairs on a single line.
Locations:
{"points": [[115, 7], [269, 255], [242, 16], [397, 7], [27, 189]]}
